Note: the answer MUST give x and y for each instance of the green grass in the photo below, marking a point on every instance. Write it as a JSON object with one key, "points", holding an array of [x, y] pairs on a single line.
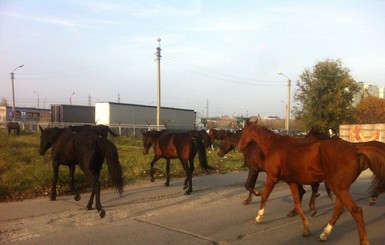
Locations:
{"points": [[25, 174]]}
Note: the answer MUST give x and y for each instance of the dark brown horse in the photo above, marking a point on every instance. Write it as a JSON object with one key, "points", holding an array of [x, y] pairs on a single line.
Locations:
{"points": [[202, 135], [101, 130], [13, 126], [89, 151], [254, 160], [377, 187], [180, 146], [335, 162], [216, 134]]}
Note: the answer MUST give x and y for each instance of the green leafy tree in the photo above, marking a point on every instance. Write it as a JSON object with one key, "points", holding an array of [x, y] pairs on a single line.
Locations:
{"points": [[324, 96], [371, 110]]}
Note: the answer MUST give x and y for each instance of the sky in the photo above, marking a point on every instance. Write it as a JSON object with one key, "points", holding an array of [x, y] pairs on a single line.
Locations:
{"points": [[219, 57]]}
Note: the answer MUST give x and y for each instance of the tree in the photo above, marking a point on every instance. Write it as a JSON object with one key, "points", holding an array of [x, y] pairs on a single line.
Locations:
{"points": [[3, 102], [371, 110], [324, 96]]}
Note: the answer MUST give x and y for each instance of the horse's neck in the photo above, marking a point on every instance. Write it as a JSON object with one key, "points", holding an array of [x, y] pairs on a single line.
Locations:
{"points": [[265, 139]]}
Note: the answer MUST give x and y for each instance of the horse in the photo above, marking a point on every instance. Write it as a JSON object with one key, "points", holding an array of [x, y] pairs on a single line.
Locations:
{"points": [[335, 162], [100, 130], [216, 134], [376, 187], [254, 160], [175, 145], [87, 150], [13, 126], [202, 135]]}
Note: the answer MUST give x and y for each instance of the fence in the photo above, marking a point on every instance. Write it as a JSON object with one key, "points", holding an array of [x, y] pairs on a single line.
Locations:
{"points": [[129, 130]]}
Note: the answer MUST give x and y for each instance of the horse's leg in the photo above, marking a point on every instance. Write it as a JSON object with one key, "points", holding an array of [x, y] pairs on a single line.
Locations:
{"points": [[250, 185], [296, 194], [192, 168], [373, 197], [98, 204], [55, 168], [301, 192], [72, 182], [344, 199], [314, 195], [271, 181], [154, 160], [167, 172], [188, 175]]}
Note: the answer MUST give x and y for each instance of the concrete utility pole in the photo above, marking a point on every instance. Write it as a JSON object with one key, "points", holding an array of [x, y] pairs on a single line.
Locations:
{"points": [[13, 91], [287, 121], [158, 56]]}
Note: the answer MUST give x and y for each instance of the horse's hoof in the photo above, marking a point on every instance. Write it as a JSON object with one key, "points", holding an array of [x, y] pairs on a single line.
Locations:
{"points": [[89, 207], [77, 197], [306, 233], [372, 201], [313, 213], [185, 187], [52, 198], [246, 202], [167, 184], [102, 213], [291, 213], [152, 179], [322, 239], [187, 193], [317, 195]]}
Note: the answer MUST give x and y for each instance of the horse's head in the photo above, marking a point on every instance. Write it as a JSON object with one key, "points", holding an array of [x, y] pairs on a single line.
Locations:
{"points": [[225, 147], [246, 138], [148, 140], [47, 138], [211, 133]]}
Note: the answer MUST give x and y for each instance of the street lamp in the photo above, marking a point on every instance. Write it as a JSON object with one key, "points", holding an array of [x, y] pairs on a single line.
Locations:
{"points": [[71, 98], [13, 91], [38, 99], [287, 122], [158, 56]]}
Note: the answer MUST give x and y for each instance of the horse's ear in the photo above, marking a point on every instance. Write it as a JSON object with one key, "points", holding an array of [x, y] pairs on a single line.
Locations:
{"points": [[254, 120], [41, 129]]}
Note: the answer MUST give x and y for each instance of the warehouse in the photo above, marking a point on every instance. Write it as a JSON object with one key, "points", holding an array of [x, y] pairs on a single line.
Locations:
{"points": [[110, 113]]}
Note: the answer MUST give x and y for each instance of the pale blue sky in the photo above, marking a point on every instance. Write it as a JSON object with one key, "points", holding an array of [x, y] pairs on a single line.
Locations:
{"points": [[226, 52]]}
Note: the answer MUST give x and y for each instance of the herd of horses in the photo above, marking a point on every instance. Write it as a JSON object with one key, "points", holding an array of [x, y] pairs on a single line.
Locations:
{"points": [[311, 161]]}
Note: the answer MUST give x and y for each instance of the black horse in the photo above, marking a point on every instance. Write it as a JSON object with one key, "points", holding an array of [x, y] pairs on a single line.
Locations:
{"points": [[89, 151], [13, 126], [100, 130]]}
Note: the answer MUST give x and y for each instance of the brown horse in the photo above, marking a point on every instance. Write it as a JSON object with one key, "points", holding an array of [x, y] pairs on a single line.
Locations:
{"points": [[254, 160], [169, 146], [377, 187], [89, 151], [216, 134], [13, 126], [335, 162], [202, 135]]}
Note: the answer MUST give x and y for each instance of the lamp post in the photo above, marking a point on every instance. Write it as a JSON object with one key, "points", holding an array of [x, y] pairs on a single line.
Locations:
{"points": [[38, 99], [13, 91], [287, 122], [71, 98], [158, 56]]}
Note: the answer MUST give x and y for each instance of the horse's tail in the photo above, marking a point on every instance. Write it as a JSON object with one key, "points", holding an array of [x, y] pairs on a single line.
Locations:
{"points": [[114, 167], [202, 154], [375, 160]]}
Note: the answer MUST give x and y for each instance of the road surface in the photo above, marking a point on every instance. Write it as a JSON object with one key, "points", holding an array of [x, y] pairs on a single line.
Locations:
{"points": [[150, 213]]}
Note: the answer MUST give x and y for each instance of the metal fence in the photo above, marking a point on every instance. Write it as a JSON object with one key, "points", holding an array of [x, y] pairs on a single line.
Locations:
{"points": [[129, 130]]}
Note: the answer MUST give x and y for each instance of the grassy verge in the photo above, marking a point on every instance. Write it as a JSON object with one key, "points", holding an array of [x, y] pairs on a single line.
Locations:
{"points": [[25, 174]]}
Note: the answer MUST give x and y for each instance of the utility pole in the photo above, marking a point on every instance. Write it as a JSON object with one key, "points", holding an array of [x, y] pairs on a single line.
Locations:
{"points": [[158, 56], [287, 121], [13, 91]]}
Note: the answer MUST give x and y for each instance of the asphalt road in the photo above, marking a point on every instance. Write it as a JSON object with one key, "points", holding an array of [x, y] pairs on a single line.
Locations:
{"points": [[150, 213]]}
